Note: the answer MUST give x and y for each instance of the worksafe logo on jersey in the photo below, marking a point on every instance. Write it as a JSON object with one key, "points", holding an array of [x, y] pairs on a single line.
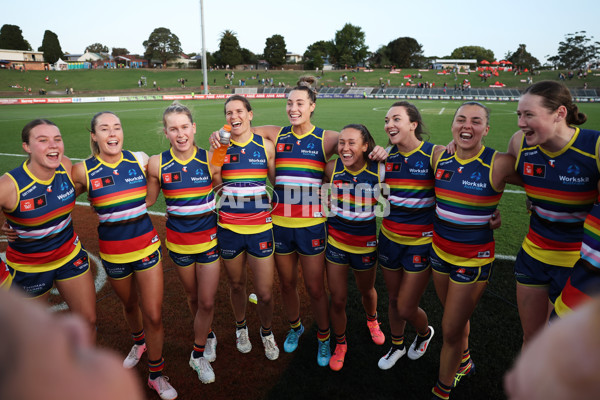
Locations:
{"points": [[284, 147], [232, 159], [33, 204], [99, 183], [443, 175], [418, 169], [68, 194], [535, 170], [257, 160], [474, 183], [172, 177], [575, 170]]}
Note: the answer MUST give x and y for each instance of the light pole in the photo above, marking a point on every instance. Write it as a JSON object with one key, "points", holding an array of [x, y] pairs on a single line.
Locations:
{"points": [[204, 73]]}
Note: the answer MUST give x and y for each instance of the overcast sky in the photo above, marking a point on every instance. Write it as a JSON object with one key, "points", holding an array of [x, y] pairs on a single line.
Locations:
{"points": [[439, 26]]}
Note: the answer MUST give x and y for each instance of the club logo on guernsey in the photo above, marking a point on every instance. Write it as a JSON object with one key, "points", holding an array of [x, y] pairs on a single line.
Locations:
{"points": [[535, 170], [232, 158], [393, 167], [33, 204], [443, 175], [171, 177], [285, 147], [99, 183]]}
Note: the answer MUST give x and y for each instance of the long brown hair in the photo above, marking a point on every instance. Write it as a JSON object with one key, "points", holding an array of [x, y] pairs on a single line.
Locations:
{"points": [[555, 94]]}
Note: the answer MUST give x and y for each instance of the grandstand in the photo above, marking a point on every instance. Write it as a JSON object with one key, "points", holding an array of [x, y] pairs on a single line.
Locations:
{"points": [[415, 93]]}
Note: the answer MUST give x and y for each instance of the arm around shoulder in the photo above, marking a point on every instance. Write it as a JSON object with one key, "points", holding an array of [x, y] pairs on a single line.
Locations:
{"points": [[79, 178], [268, 132], [153, 180], [8, 193]]}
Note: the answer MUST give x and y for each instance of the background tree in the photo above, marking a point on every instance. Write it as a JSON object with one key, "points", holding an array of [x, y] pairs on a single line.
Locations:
{"points": [[316, 54], [162, 45], [119, 51], [522, 58], [405, 52], [380, 58], [473, 52], [576, 51], [275, 51], [97, 48], [51, 47], [349, 47], [230, 52], [248, 57], [11, 38]]}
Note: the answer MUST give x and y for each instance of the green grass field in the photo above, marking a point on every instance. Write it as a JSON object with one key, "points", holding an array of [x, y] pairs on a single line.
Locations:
{"points": [[124, 80], [495, 330]]}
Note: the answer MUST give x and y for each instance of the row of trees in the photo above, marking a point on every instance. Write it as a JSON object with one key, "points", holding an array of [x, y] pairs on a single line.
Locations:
{"points": [[346, 49]]}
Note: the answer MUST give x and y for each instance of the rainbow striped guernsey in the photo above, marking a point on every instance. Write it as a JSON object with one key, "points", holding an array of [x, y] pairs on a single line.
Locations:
{"points": [[352, 226], [585, 279], [118, 194], [465, 202], [299, 165], [245, 204], [562, 187], [187, 187], [412, 196], [42, 221]]}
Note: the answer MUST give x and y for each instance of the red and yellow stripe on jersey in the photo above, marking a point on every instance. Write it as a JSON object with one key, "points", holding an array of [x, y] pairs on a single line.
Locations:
{"points": [[299, 165], [562, 187], [466, 200], [412, 196], [245, 205], [42, 220], [584, 283], [118, 194], [5, 278], [190, 200], [352, 226]]}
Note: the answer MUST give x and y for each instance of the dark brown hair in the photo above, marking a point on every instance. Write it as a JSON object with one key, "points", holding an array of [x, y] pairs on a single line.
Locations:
{"points": [[413, 116], [555, 94], [26, 132], [365, 136]]}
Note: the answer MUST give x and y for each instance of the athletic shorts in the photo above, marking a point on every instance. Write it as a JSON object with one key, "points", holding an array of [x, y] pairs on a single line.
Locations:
{"points": [[186, 260], [459, 274], [231, 244], [395, 256], [358, 262], [36, 284], [532, 272], [120, 271], [308, 241]]}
